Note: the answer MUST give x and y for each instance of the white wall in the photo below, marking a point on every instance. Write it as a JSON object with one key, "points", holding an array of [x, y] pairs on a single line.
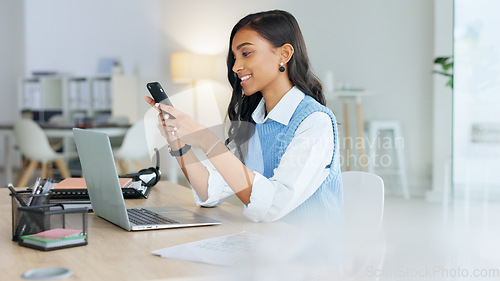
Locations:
{"points": [[383, 45], [11, 63], [11, 55], [442, 109], [71, 36]]}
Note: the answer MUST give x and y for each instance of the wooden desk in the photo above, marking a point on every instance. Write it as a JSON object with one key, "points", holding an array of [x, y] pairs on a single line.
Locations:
{"points": [[116, 254]]}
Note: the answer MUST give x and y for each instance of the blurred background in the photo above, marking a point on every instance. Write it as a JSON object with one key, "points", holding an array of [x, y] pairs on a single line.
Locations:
{"points": [[377, 54]]}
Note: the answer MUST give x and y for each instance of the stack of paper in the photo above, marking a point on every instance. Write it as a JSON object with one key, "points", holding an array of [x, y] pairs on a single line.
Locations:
{"points": [[223, 250]]}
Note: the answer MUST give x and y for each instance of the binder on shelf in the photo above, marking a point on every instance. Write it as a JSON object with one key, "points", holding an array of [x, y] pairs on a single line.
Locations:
{"points": [[32, 94], [101, 93], [78, 93]]}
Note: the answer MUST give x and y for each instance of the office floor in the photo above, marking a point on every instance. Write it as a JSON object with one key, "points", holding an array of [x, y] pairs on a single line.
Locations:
{"points": [[437, 242]]}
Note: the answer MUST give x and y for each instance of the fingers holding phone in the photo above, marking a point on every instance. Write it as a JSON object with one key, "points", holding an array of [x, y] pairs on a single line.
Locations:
{"points": [[181, 127]]}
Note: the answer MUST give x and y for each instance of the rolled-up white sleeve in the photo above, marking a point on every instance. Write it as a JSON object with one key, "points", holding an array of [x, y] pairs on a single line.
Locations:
{"points": [[301, 171], [218, 190]]}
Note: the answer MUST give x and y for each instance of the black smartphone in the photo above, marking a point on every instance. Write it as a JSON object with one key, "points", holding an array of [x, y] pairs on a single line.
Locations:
{"points": [[159, 95]]}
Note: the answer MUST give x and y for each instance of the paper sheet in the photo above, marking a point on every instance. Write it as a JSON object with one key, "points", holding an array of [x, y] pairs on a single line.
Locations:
{"points": [[223, 250]]}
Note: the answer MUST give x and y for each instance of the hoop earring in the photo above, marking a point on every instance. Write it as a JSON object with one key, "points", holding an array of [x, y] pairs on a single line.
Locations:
{"points": [[281, 68]]}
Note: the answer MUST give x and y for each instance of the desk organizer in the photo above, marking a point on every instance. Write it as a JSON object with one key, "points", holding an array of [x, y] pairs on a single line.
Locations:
{"points": [[46, 226]]}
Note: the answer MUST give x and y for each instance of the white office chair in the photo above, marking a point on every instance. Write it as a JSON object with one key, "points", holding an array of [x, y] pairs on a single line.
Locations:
{"points": [[35, 147], [364, 209], [58, 119], [363, 199], [133, 149]]}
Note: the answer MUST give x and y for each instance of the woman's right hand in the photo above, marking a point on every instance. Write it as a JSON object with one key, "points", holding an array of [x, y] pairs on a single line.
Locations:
{"points": [[174, 142]]}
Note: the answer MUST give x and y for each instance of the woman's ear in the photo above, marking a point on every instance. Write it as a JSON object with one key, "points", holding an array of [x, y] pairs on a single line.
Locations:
{"points": [[286, 52]]}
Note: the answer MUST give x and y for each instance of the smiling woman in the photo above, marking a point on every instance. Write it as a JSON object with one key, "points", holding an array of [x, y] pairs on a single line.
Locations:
{"points": [[281, 158], [255, 62], [277, 30]]}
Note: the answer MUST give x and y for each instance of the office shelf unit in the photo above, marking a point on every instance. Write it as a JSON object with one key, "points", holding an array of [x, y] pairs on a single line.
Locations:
{"points": [[74, 98], [42, 96]]}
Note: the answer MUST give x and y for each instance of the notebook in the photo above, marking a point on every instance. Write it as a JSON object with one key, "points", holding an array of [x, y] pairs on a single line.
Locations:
{"points": [[79, 183], [99, 170]]}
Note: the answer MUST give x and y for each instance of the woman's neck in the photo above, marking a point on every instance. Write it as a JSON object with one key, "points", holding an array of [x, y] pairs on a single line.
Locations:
{"points": [[273, 96]]}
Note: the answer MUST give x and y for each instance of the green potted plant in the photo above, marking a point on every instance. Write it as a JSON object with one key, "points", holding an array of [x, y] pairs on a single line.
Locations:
{"points": [[446, 64]]}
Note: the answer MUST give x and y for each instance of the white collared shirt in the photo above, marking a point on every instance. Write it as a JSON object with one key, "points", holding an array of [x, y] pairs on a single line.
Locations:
{"points": [[301, 171]]}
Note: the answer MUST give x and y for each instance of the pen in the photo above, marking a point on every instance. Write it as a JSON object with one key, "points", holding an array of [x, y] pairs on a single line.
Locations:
{"points": [[41, 191], [36, 184], [47, 186], [21, 226], [34, 190], [15, 194]]}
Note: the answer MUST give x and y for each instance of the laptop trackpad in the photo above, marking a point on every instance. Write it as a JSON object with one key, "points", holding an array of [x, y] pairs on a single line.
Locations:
{"points": [[180, 215]]}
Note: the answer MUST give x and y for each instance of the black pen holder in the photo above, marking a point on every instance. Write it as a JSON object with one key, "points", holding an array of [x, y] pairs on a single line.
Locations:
{"points": [[23, 199], [28, 219]]}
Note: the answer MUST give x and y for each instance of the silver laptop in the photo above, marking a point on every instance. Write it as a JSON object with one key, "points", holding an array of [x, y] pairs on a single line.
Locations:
{"points": [[99, 170]]}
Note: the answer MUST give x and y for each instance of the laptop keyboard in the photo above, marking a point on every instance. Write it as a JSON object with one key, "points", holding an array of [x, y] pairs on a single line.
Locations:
{"points": [[144, 217]]}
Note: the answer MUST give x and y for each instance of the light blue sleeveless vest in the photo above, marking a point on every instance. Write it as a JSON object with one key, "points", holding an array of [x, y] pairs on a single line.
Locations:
{"points": [[272, 141]]}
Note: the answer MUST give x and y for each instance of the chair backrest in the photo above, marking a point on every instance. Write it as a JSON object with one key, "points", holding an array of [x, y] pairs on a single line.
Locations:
{"points": [[33, 141], [364, 209], [134, 146], [363, 200]]}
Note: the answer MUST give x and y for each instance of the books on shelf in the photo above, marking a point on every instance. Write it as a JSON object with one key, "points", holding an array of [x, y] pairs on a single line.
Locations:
{"points": [[56, 238]]}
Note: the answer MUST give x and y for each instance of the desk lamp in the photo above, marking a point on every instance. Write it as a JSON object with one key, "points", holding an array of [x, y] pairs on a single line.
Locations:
{"points": [[188, 67]]}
